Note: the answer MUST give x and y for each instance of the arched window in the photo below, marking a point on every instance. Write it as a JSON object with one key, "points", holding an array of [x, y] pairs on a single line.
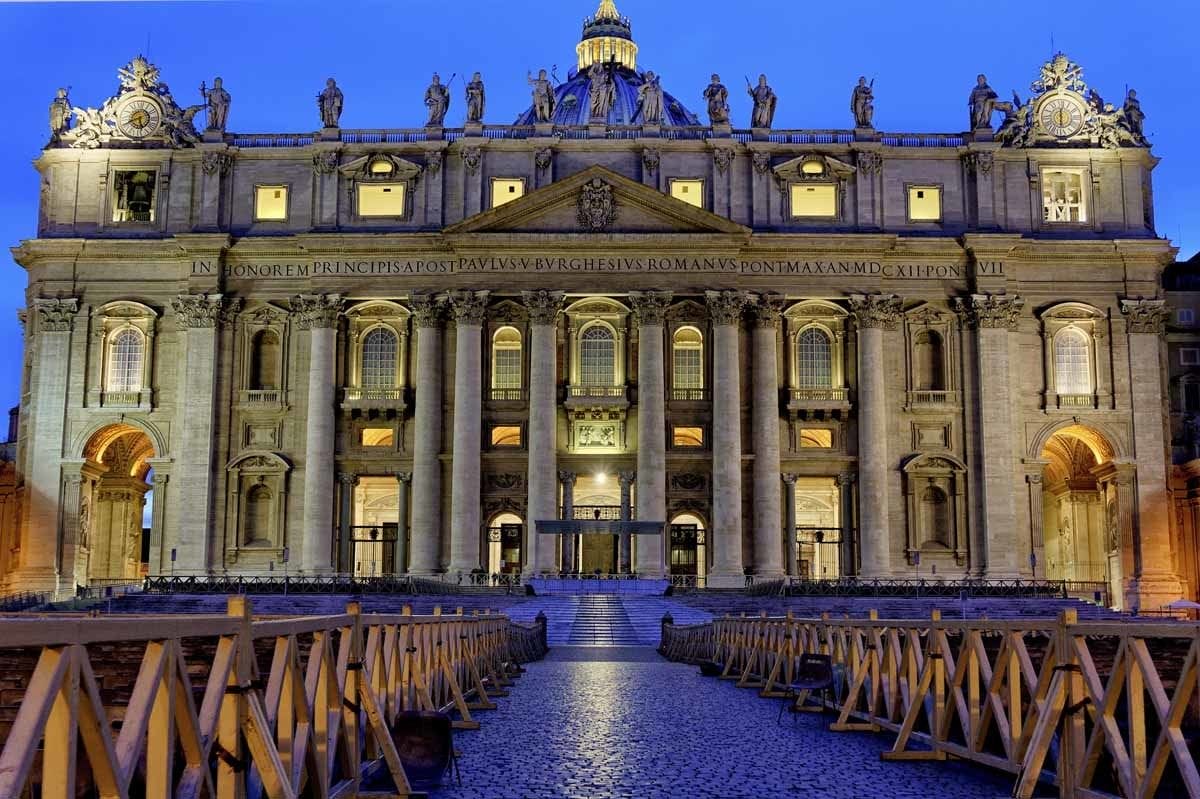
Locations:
{"points": [[264, 361], [258, 515], [126, 352], [814, 362], [1072, 362], [929, 363], [506, 358], [688, 358], [379, 358], [936, 511], [597, 357]]}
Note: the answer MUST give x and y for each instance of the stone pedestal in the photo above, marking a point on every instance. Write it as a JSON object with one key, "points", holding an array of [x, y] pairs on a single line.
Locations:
{"points": [[541, 479], [650, 308], [768, 543], [760, 134], [469, 129], [330, 134], [213, 136], [425, 545], [865, 134], [722, 130], [543, 129], [725, 308], [470, 308], [651, 131]]}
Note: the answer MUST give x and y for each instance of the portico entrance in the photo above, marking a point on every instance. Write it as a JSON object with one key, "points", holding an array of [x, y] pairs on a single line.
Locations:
{"points": [[113, 484]]}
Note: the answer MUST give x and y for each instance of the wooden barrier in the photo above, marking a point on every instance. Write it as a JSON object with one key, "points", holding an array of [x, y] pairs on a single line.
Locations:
{"points": [[205, 717], [1098, 709]]}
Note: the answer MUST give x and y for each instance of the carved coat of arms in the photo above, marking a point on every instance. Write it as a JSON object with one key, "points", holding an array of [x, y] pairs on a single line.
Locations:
{"points": [[597, 209]]}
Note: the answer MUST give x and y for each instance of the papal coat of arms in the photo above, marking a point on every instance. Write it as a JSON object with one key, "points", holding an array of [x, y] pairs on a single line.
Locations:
{"points": [[597, 209]]}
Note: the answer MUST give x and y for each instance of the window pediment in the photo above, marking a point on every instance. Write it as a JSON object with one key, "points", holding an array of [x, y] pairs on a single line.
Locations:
{"points": [[371, 168], [813, 167], [940, 464], [1072, 311], [260, 462]]}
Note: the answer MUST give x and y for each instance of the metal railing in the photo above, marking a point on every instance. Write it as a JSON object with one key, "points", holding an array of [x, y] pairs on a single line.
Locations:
{"points": [[23, 600], [918, 587], [284, 584]]}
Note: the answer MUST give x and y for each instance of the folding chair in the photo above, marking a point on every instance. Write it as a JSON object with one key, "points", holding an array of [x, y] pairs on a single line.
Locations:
{"points": [[815, 673]]}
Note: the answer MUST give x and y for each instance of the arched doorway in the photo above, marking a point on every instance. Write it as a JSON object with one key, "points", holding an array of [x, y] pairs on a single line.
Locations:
{"points": [[818, 533], [111, 526], [505, 531], [687, 546]]}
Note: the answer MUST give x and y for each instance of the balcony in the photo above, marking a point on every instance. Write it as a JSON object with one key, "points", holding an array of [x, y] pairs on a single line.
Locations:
{"points": [[1075, 402], [132, 400], [374, 401], [689, 395], [508, 395], [817, 402], [928, 400], [597, 396]]}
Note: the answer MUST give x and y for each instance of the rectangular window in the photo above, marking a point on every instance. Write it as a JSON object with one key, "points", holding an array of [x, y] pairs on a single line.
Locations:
{"points": [[1191, 397], [814, 200], [690, 191], [924, 204], [506, 368], [692, 437], [134, 195], [270, 203], [816, 438], [505, 190], [1186, 316], [506, 436], [381, 199], [1189, 356], [1063, 198], [378, 437]]}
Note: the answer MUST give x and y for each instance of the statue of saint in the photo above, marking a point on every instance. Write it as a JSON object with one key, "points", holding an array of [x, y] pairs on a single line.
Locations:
{"points": [[982, 104], [60, 114], [1095, 101], [437, 99], [476, 99], [330, 104], [601, 91], [218, 104], [764, 103], [650, 100], [862, 103], [543, 96], [1134, 118], [717, 97]]}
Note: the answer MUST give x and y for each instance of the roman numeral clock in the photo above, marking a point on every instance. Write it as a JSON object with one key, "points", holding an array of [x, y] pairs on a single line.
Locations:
{"points": [[139, 117], [1061, 115]]}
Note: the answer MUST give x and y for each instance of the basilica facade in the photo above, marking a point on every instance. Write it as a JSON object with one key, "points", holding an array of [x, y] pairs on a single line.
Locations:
{"points": [[818, 353]]}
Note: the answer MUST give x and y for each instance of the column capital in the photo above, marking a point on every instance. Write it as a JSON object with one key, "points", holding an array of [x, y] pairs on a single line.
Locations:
{"points": [[317, 311], [565, 477], [55, 315], [543, 306], [348, 479], [876, 310], [194, 311], [470, 307], [846, 479], [990, 311], [726, 307], [1145, 316], [789, 478], [404, 477], [626, 478], [650, 307], [428, 310], [768, 310]]}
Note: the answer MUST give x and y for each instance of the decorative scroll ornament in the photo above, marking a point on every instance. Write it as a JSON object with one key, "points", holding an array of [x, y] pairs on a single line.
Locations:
{"points": [[433, 161], [543, 158], [876, 310], [325, 162], [472, 157], [1145, 316], [215, 163], [317, 311], [979, 163], [203, 310], [725, 307], [762, 163], [868, 162], [723, 158], [768, 310], [470, 307], [990, 311], [597, 208], [57, 315], [428, 310], [650, 307], [651, 158], [543, 306]]}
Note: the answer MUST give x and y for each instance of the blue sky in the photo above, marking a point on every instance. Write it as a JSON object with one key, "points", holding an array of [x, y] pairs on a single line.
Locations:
{"points": [[275, 56]]}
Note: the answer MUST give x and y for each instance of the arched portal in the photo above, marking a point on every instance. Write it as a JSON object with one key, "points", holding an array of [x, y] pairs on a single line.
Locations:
{"points": [[688, 540], [113, 540], [504, 544]]}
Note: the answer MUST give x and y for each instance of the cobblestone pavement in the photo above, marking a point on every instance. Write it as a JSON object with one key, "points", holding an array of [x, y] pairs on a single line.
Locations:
{"points": [[616, 722]]}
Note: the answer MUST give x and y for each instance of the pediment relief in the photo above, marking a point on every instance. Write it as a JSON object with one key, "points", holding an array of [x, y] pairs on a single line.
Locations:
{"points": [[266, 462], [1072, 310], [508, 312], [813, 167], [264, 315], [927, 315], [815, 309], [380, 167], [687, 311], [934, 463], [125, 309], [597, 306], [377, 309]]}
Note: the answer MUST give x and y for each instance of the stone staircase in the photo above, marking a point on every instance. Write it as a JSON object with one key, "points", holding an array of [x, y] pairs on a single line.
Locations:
{"points": [[605, 619]]}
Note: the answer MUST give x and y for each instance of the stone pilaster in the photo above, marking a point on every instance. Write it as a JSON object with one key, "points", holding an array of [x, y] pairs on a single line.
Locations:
{"points": [[73, 564], [1155, 582], [768, 544], [543, 426], [569, 561], [345, 561], [994, 317], [726, 534], [649, 308], [200, 317], [845, 482], [425, 547], [159, 559], [318, 314], [1037, 541], [875, 314], [470, 309], [789, 524], [624, 546], [400, 565]]}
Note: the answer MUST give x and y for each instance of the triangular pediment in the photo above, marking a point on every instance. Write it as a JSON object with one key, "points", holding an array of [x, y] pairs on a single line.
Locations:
{"points": [[622, 206]]}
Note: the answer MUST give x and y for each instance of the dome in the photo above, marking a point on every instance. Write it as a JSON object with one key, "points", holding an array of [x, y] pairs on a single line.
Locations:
{"points": [[572, 106]]}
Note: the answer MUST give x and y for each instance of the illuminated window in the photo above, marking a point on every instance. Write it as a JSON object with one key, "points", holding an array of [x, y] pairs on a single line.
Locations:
{"points": [[688, 359], [134, 196], [1072, 362], [379, 359], [814, 359], [125, 353], [597, 357], [816, 438], [690, 191], [688, 436], [505, 190], [813, 166], [506, 358], [270, 203], [382, 166], [381, 199], [378, 437], [506, 436], [924, 204], [1063, 199], [814, 200]]}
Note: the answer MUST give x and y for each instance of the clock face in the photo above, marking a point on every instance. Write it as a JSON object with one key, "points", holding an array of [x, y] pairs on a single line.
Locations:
{"points": [[139, 118], [1061, 117]]}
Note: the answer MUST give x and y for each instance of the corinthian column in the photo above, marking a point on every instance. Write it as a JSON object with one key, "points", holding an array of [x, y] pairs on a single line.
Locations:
{"points": [[726, 534], [318, 314], [768, 544], [875, 313], [649, 308], [470, 308], [568, 562], [994, 317], [624, 564], [541, 478], [425, 540], [1155, 581], [200, 316]]}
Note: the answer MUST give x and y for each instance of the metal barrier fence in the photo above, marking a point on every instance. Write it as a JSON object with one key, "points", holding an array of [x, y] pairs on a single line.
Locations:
{"points": [[1098, 709], [315, 722], [857, 586], [330, 584]]}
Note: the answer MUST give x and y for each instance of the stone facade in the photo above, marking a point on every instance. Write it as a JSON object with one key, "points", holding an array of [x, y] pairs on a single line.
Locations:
{"points": [[897, 373]]}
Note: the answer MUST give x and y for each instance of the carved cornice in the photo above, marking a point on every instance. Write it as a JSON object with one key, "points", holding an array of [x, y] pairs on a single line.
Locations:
{"points": [[203, 310], [650, 307], [470, 307], [213, 163], [56, 315], [725, 307], [876, 310], [1145, 316], [428, 310], [543, 306], [990, 311], [768, 310], [317, 311]]}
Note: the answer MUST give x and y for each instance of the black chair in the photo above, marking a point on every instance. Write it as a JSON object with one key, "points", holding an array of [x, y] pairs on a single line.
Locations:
{"points": [[711, 668], [815, 673], [425, 743]]}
